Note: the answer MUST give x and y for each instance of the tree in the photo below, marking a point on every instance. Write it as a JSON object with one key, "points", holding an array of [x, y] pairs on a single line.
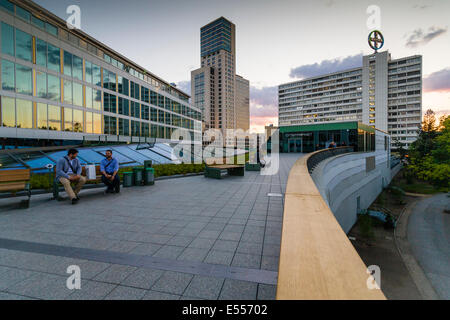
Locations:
{"points": [[429, 121]]}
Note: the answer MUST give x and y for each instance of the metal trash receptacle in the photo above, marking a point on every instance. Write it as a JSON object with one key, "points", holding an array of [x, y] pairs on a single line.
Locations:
{"points": [[148, 164], [127, 179], [138, 174], [149, 176]]}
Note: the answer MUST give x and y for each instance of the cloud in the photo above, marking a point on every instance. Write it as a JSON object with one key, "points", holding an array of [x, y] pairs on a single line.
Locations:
{"points": [[423, 6], [326, 66], [420, 37], [437, 81], [184, 86], [263, 107]]}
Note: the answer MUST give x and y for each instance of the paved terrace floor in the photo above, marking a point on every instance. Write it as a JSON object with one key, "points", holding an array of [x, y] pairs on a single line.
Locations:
{"points": [[187, 238]]}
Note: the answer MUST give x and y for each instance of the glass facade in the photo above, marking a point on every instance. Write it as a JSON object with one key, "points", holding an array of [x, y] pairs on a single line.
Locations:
{"points": [[44, 87], [310, 138]]}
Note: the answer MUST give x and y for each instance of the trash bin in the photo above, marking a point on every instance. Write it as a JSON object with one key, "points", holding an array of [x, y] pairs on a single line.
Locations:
{"points": [[138, 174], [149, 176], [127, 179], [148, 164]]}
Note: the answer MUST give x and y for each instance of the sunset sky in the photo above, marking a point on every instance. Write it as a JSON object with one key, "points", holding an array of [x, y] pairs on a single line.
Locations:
{"points": [[277, 41]]}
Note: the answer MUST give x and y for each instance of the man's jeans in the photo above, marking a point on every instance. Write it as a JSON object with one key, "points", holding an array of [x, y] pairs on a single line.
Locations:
{"points": [[78, 185], [112, 185]]}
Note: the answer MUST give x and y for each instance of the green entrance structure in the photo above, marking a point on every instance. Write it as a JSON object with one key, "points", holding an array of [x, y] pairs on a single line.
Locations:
{"points": [[313, 137]]}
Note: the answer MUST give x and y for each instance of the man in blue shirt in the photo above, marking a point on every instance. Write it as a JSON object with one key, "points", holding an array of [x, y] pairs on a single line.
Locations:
{"points": [[109, 168]]}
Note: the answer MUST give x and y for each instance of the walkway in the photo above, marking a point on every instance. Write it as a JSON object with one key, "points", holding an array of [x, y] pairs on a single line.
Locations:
{"points": [[429, 236], [187, 238]]}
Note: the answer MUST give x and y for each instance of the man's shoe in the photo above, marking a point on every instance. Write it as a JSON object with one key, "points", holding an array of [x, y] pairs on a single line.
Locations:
{"points": [[109, 191], [117, 189], [74, 201]]}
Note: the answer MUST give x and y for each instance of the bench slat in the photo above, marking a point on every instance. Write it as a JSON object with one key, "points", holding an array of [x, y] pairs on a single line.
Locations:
{"points": [[15, 175], [15, 186]]}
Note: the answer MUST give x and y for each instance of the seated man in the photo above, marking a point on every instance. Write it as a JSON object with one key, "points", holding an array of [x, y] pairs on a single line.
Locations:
{"points": [[109, 168], [68, 169]]}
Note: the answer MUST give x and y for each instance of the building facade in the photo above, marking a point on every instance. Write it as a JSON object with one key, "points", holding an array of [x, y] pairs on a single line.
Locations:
{"points": [[383, 93], [62, 85], [213, 86], [242, 103]]}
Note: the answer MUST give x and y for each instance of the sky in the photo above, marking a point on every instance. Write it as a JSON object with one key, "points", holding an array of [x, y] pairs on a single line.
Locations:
{"points": [[277, 41]]}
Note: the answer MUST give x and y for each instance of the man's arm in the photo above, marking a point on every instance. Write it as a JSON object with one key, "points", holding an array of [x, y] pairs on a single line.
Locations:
{"points": [[78, 168], [116, 168], [102, 168], [59, 169]]}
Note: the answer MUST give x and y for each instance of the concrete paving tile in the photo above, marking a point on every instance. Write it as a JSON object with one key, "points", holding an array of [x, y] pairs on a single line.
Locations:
{"points": [[204, 287], [238, 290], [219, 257], [126, 293], [246, 260], [42, 286], [155, 295], [12, 276], [225, 245], [181, 241], [168, 252], [142, 278], [91, 290], [193, 254], [115, 274], [267, 292], [172, 282]]}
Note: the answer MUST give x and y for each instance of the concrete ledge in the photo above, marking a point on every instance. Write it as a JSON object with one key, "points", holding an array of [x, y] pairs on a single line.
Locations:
{"points": [[317, 261]]}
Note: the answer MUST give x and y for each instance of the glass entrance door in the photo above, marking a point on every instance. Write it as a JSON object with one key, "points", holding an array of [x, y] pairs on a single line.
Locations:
{"points": [[295, 145]]}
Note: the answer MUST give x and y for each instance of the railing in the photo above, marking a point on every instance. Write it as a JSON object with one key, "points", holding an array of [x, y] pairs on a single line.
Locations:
{"points": [[317, 157], [317, 260]]}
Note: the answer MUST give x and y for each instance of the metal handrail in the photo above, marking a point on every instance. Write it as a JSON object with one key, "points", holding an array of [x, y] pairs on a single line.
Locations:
{"points": [[321, 155]]}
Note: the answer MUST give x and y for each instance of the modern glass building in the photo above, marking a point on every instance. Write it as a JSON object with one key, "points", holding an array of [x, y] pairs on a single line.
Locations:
{"points": [[60, 85], [310, 138]]}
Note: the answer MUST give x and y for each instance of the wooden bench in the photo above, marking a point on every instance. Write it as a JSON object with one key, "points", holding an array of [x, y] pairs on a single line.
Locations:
{"points": [[215, 170], [56, 184], [16, 180]]}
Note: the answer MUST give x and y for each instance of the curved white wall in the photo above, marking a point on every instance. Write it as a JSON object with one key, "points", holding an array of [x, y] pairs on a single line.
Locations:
{"points": [[343, 179]]}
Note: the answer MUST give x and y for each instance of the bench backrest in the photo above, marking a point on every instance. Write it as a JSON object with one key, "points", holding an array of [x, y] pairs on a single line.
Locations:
{"points": [[15, 175]]}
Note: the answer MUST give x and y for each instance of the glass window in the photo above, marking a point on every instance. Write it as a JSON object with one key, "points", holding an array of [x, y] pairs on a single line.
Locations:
{"points": [[97, 96], [160, 101], [154, 115], [89, 123], [68, 113], [153, 98], [123, 85], [77, 68], [8, 112], [77, 120], [54, 87], [23, 45], [24, 83], [145, 112], [41, 84], [7, 39], [41, 52], [124, 127], [67, 63], [8, 75], [77, 94], [96, 75], [24, 110], [22, 13], [124, 107], [97, 123], [41, 117], [89, 97], [38, 22], [88, 71], [54, 118], [68, 97], [7, 5], [110, 125], [51, 29], [53, 58]]}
